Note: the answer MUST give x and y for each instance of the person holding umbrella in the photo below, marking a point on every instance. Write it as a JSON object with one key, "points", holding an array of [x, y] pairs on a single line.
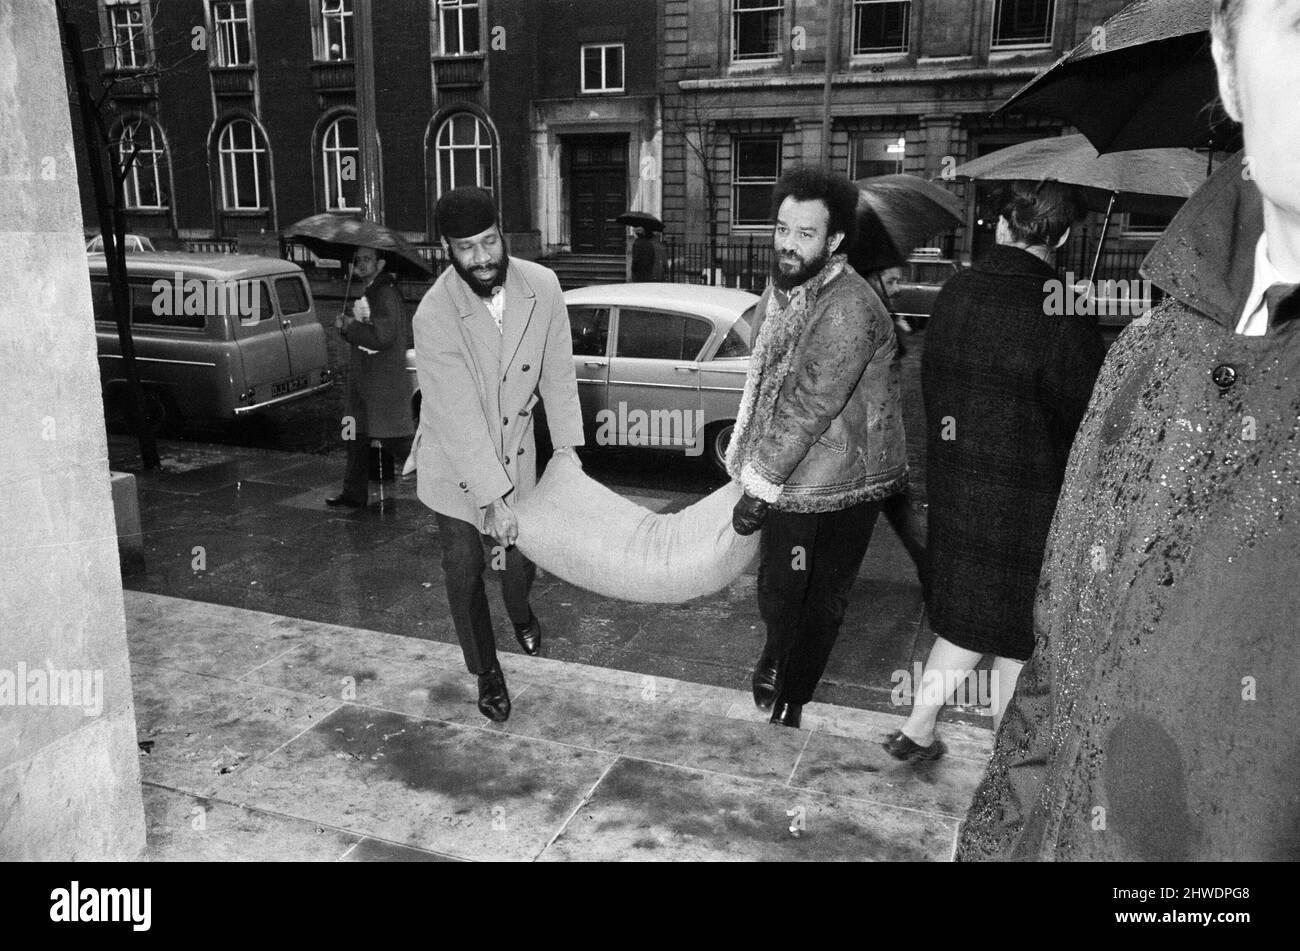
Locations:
{"points": [[1157, 719], [377, 395], [648, 257], [1005, 384]]}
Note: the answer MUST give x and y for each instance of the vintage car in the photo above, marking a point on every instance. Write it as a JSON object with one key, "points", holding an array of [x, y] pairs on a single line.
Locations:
{"points": [[923, 277], [216, 335], [659, 366], [132, 243]]}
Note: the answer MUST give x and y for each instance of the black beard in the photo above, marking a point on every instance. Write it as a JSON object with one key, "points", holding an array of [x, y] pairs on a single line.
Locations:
{"points": [[788, 282], [479, 287]]}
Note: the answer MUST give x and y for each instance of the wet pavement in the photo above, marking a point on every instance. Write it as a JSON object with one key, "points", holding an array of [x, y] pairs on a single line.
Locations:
{"points": [[634, 736], [270, 737]]}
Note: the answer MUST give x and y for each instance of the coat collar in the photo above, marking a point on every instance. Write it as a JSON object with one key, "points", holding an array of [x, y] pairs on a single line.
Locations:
{"points": [[1004, 259], [1206, 258], [520, 298]]}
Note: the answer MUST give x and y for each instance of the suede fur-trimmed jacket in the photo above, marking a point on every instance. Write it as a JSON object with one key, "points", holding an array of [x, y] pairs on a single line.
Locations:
{"points": [[820, 426]]}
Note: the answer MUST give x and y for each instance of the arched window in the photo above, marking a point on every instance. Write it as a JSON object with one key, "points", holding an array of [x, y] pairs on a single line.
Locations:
{"points": [[141, 144], [340, 164], [242, 157], [464, 145]]}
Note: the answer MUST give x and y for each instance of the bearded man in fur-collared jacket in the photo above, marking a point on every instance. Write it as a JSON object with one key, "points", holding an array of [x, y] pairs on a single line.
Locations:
{"points": [[818, 443]]}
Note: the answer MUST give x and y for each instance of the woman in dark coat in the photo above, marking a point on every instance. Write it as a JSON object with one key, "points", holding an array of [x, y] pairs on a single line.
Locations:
{"points": [[1006, 380]]}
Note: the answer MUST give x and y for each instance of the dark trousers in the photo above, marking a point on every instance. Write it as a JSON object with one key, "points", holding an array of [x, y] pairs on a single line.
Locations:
{"points": [[356, 479], [463, 561], [807, 567], [909, 525]]}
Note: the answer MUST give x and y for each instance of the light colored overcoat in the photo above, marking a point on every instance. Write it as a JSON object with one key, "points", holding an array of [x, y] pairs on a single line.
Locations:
{"points": [[479, 387]]}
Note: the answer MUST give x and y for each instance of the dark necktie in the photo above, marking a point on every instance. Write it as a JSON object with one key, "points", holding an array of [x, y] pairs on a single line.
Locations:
{"points": [[1283, 303]]}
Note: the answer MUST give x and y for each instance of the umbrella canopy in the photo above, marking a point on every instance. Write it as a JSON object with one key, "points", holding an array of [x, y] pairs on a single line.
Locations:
{"points": [[640, 219], [1144, 79], [897, 213], [338, 236], [1147, 180]]}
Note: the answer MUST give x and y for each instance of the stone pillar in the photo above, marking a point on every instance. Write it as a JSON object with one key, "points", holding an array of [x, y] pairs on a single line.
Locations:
{"points": [[69, 773]]}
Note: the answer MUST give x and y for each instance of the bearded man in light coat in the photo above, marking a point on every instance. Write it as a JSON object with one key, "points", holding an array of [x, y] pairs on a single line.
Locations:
{"points": [[491, 339]]}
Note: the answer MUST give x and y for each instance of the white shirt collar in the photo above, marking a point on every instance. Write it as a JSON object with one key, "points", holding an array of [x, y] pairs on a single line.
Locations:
{"points": [[1254, 317]]}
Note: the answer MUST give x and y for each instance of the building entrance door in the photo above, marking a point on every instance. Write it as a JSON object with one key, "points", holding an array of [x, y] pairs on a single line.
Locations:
{"points": [[597, 179]]}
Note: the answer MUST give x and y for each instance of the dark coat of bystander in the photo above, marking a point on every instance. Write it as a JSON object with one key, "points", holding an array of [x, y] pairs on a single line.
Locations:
{"points": [[1005, 384]]}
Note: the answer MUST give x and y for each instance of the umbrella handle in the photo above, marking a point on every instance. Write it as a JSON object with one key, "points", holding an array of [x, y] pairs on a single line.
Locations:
{"points": [[347, 291]]}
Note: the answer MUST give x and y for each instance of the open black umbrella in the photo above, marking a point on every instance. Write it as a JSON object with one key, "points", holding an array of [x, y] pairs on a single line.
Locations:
{"points": [[1144, 79], [337, 236], [1145, 180], [640, 219], [897, 213]]}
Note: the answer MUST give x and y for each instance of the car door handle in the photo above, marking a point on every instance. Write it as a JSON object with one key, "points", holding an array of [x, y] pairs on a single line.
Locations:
{"points": [[692, 368], [594, 365], [286, 323]]}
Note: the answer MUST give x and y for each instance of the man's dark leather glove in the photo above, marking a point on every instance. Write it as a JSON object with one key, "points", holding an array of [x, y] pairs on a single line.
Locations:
{"points": [[747, 517]]}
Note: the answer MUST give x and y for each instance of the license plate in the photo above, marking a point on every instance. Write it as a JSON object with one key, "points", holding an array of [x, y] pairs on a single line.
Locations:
{"points": [[289, 386]]}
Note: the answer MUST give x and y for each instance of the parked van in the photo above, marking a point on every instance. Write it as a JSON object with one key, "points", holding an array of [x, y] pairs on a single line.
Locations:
{"points": [[216, 335]]}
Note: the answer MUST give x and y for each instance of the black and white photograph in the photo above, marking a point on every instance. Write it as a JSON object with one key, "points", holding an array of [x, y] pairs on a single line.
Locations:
{"points": [[644, 431]]}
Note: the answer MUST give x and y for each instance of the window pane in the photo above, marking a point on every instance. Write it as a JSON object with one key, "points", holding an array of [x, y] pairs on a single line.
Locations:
{"points": [[1023, 22], [649, 335], [881, 27], [695, 334], [591, 68], [469, 29], [614, 67], [758, 158], [142, 308], [753, 205], [464, 164], [293, 295], [756, 28], [733, 345], [590, 330]]}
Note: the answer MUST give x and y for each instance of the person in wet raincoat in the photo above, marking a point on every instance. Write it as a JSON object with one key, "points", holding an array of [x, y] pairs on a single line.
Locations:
{"points": [[1158, 717]]}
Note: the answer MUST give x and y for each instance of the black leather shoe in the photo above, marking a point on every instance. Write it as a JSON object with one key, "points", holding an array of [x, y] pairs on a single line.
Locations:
{"points": [[787, 714], [335, 501], [764, 682], [493, 698], [901, 746], [529, 635]]}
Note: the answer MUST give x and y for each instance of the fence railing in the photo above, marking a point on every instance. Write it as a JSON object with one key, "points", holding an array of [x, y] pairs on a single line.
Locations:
{"points": [[744, 264]]}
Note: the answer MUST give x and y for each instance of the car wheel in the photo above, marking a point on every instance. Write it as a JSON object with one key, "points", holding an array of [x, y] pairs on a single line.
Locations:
{"points": [[160, 412], [716, 439]]}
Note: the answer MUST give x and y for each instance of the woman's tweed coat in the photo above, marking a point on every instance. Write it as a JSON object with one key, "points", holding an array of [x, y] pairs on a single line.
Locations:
{"points": [[1005, 386]]}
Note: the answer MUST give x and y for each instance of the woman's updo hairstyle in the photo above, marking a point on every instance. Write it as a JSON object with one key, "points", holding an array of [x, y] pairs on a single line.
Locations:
{"points": [[1039, 213]]}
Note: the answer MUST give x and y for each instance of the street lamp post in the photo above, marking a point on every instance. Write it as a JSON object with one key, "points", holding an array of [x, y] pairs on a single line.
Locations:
{"points": [[372, 195]]}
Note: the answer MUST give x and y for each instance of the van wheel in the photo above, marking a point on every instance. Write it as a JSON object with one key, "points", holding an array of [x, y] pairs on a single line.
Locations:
{"points": [[717, 436], [160, 413]]}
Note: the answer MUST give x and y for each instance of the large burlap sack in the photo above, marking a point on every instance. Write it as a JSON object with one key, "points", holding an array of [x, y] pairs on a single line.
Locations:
{"points": [[575, 528]]}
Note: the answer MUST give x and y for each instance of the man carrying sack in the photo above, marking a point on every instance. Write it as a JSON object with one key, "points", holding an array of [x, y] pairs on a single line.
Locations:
{"points": [[491, 338]]}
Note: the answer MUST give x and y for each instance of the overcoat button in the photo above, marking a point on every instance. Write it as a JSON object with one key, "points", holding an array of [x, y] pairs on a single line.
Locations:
{"points": [[519, 453], [464, 486], [507, 460], [526, 368], [505, 421], [1224, 375]]}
